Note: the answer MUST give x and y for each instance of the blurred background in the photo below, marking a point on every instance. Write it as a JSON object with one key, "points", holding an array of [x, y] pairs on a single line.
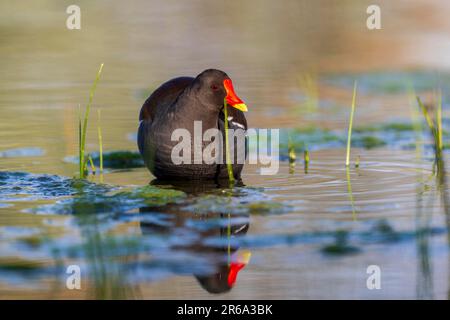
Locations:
{"points": [[293, 62], [264, 46]]}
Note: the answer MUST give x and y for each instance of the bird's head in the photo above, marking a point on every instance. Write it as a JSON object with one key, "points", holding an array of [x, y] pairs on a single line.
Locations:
{"points": [[214, 87]]}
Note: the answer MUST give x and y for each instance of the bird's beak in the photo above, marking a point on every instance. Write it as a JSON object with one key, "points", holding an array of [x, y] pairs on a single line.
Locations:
{"points": [[232, 99], [239, 261]]}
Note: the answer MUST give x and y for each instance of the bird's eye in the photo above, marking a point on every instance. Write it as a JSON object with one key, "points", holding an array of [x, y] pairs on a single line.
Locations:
{"points": [[214, 87]]}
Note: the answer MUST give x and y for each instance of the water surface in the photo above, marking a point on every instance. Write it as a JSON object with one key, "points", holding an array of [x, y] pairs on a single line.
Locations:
{"points": [[301, 233]]}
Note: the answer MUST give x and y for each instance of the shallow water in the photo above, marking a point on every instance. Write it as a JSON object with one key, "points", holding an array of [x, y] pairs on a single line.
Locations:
{"points": [[301, 233]]}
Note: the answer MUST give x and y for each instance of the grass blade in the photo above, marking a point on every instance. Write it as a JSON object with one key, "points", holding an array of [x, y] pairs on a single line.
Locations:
{"points": [[100, 140], [81, 166], [350, 193], [427, 116], [85, 123], [439, 120], [91, 162], [227, 145], [350, 125], [306, 159]]}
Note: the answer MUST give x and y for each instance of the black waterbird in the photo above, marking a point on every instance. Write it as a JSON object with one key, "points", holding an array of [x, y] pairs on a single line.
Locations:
{"points": [[178, 104]]}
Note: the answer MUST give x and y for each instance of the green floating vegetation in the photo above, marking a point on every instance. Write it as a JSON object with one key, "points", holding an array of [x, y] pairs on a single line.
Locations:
{"points": [[341, 246], [394, 126], [368, 142], [100, 201], [118, 160], [396, 134], [311, 136], [220, 204], [151, 195], [384, 231], [264, 207], [389, 82], [33, 241], [19, 264], [44, 186]]}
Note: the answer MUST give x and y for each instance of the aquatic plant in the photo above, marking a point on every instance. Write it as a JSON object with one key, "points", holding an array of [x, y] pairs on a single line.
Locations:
{"points": [[19, 264], [306, 159], [416, 123], [393, 126], [441, 177], [436, 130], [291, 154], [350, 192], [82, 129], [227, 144], [358, 159], [368, 142], [100, 140], [341, 246], [91, 162], [350, 125], [439, 120]]}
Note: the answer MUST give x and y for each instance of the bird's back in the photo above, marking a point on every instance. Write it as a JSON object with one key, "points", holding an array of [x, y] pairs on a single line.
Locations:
{"points": [[165, 95]]}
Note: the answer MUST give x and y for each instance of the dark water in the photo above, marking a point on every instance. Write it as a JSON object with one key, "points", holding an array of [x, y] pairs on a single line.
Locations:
{"points": [[297, 234]]}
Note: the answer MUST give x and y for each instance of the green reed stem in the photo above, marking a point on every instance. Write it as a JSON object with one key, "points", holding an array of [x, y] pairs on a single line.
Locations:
{"points": [[427, 117], [100, 140], [81, 166], [291, 151], [358, 159], [439, 120], [415, 121], [350, 125], [350, 193], [85, 123], [91, 162], [306, 160], [227, 145], [436, 135]]}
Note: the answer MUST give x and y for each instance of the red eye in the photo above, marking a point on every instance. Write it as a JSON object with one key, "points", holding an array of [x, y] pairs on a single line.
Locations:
{"points": [[214, 87]]}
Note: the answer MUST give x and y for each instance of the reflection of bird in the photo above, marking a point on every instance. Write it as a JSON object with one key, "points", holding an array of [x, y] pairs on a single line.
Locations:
{"points": [[226, 259], [225, 277], [177, 104]]}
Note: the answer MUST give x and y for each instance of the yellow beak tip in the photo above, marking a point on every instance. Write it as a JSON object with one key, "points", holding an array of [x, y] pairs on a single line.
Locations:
{"points": [[241, 106]]}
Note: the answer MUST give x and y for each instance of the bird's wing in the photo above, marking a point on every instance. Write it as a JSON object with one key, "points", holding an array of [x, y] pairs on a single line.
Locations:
{"points": [[165, 95]]}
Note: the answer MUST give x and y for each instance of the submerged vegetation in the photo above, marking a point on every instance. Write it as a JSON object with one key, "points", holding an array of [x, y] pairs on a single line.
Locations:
{"points": [[340, 246]]}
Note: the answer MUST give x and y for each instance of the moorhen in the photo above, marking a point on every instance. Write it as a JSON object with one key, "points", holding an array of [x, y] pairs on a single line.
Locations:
{"points": [[177, 104]]}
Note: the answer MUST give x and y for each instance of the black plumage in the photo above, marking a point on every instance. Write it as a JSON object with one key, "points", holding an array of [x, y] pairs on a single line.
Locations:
{"points": [[178, 103]]}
